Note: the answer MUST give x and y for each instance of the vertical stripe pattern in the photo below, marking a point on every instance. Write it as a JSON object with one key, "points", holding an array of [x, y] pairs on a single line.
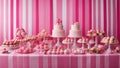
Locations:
{"points": [[98, 61], [45, 62], [34, 61], [14, 10], [10, 61], [54, 62], [80, 62], [4, 18], [57, 61], [106, 61], [35, 15]]}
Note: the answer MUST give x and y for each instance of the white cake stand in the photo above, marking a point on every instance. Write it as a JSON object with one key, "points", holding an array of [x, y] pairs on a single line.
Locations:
{"points": [[108, 51], [68, 46], [89, 45], [83, 44], [44, 40], [74, 41], [58, 40], [96, 40]]}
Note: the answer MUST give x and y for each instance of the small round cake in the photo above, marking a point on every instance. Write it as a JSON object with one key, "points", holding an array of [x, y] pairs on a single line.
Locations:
{"points": [[75, 30], [67, 41], [82, 40], [58, 30], [110, 40]]}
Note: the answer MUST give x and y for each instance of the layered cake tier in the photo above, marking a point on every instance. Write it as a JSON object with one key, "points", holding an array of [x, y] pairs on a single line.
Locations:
{"points": [[75, 30], [58, 30]]}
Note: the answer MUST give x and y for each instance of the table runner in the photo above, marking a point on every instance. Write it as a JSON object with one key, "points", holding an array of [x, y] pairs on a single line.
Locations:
{"points": [[59, 61]]}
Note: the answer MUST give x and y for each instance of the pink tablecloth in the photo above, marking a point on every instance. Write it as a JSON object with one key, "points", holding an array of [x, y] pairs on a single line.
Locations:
{"points": [[59, 61]]}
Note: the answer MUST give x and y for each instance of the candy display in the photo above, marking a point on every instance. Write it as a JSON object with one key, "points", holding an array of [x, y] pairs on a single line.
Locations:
{"points": [[24, 50]]}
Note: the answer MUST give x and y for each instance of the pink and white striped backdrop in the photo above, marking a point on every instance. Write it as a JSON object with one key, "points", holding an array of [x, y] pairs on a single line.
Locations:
{"points": [[34, 15]]}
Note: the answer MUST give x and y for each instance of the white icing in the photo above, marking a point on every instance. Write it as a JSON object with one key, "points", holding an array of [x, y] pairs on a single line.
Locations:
{"points": [[75, 31], [58, 30]]}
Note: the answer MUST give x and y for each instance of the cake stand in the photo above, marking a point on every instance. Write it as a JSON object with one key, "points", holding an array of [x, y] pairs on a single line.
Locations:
{"points": [[74, 41], [50, 44], [44, 40], [96, 41], [28, 44], [89, 45], [68, 46], [58, 40], [83, 44], [108, 51]]}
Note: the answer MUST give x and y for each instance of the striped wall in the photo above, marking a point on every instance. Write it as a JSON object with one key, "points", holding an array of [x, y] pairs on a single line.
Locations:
{"points": [[34, 15]]}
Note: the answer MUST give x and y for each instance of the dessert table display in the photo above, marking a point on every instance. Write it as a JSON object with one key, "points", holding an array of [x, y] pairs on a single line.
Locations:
{"points": [[43, 51]]}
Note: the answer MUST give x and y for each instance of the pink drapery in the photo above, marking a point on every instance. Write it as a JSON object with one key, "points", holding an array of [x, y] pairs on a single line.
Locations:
{"points": [[35, 15]]}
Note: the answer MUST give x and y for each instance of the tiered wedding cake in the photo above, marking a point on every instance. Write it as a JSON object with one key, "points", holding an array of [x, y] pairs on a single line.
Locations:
{"points": [[75, 30], [58, 30]]}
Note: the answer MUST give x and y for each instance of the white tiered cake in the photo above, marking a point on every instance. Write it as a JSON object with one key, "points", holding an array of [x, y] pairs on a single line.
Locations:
{"points": [[58, 30], [75, 30]]}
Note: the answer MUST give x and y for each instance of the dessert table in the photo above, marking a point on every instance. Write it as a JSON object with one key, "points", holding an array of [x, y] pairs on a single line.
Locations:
{"points": [[42, 50], [59, 61]]}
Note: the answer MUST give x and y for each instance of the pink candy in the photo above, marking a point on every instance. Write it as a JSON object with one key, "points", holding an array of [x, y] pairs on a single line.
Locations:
{"points": [[25, 50]]}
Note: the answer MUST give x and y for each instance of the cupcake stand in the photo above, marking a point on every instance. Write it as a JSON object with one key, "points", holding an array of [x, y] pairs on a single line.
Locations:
{"points": [[58, 43], [74, 41]]}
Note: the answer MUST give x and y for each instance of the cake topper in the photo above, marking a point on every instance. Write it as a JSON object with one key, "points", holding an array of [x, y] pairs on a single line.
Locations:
{"points": [[59, 21]]}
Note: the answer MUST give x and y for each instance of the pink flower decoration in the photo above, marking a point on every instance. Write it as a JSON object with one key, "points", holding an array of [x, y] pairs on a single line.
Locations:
{"points": [[59, 21]]}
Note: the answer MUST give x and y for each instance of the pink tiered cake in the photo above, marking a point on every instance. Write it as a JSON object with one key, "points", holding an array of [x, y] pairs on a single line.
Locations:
{"points": [[58, 30], [75, 31]]}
